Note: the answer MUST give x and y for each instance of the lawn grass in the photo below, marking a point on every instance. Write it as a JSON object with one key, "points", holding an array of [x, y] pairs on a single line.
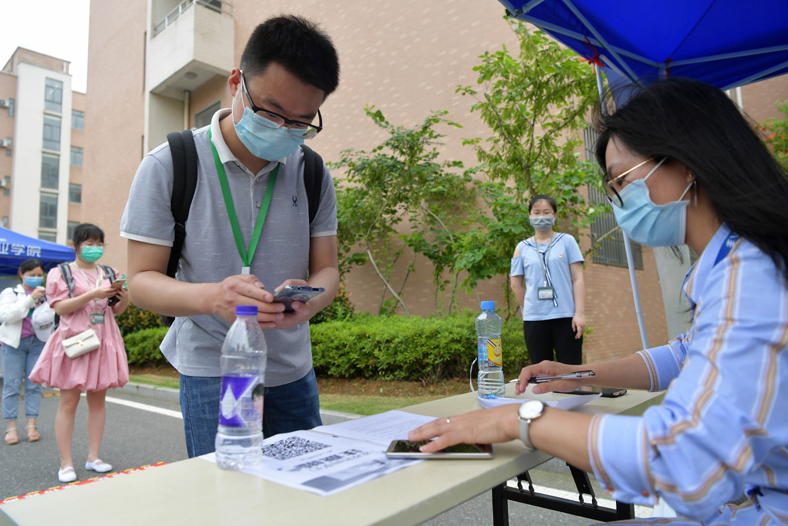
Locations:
{"points": [[369, 405]]}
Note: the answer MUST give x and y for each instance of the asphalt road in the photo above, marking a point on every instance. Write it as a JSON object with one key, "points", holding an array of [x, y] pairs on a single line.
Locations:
{"points": [[143, 427]]}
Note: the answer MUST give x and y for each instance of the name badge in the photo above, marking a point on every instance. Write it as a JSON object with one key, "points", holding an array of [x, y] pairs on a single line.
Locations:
{"points": [[96, 318], [545, 293]]}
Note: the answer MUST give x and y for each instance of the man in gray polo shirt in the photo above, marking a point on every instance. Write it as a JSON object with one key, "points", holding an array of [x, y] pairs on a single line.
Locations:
{"points": [[287, 70]]}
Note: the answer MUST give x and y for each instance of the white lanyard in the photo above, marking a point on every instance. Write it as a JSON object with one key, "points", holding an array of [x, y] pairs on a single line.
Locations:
{"points": [[98, 281], [546, 255]]}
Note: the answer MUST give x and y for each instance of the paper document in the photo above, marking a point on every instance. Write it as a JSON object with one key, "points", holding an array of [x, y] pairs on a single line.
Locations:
{"points": [[567, 404], [380, 429], [321, 463]]}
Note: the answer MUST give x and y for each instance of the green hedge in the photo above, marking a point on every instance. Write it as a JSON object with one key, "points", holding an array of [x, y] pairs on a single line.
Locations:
{"points": [[383, 347], [135, 319], [142, 347], [402, 348]]}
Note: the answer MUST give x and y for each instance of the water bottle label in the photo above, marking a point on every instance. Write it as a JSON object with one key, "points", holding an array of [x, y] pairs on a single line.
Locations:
{"points": [[490, 351], [241, 402]]}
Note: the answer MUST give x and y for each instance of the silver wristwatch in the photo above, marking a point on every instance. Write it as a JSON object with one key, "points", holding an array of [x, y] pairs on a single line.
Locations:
{"points": [[529, 411]]}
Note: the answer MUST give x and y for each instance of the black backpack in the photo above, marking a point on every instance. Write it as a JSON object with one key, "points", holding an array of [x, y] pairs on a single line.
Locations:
{"points": [[184, 165], [65, 271]]}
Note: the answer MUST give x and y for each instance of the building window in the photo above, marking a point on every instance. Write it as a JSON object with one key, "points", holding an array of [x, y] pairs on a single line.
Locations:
{"points": [[53, 97], [5, 221], [606, 237], [203, 118], [50, 171], [70, 229], [47, 236], [78, 119], [76, 156], [51, 132], [47, 214], [75, 194]]}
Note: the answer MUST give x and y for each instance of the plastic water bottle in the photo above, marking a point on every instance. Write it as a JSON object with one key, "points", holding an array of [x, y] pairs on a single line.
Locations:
{"points": [[488, 338], [239, 440]]}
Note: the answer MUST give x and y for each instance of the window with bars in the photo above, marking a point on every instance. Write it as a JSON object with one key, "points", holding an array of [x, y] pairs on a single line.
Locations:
{"points": [[51, 132], [75, 194], [78, 119], [53, 95], [76, 156], [605, 237], [47, 214], [50, 171]]}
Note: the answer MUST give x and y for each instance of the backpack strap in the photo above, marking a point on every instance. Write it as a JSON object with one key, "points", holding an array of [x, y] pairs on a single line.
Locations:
{"points": [[109, 273], [184, 164], [313, 179], [184, 182], [65, 271]]}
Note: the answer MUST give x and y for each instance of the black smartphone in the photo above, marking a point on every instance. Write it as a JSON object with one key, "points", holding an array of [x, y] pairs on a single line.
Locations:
{"points": [[408, 449], [302, 293], [607, 392]]}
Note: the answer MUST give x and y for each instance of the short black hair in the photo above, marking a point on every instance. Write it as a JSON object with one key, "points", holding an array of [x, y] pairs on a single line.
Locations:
{"points": [[696, 124], [85, 231], [296, 44], [30, 264], [542, 197]]}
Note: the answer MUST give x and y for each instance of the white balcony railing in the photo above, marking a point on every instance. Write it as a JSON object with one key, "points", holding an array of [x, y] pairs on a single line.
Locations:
{"points": [[219, 6]]}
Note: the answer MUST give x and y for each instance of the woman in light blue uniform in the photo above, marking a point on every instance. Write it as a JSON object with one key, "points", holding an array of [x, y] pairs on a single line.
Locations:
{"points": [[547, 280], [682, 165]]}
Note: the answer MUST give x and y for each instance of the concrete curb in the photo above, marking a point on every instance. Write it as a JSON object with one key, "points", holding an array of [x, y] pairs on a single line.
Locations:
{"points": [[167, 394]]}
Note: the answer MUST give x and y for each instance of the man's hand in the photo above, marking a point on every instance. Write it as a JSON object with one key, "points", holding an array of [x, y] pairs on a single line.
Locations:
{"points": [[246, 289], [301, 311]]}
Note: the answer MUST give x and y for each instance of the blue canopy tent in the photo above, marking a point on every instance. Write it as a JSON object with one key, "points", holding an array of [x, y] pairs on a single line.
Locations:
{"points": [[15, 248], [725, 43]]}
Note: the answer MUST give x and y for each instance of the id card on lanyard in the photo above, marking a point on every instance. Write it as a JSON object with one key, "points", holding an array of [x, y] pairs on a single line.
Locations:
{"points": [[246, 256], [95, 316], [546, 291]]}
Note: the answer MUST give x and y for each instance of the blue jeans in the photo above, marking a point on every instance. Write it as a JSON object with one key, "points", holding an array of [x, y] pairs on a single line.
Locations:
{"points": [[18, 363], [290, 407]]}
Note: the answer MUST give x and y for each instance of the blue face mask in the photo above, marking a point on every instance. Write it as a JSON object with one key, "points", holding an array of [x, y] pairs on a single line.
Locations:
{"points": [[266, 143], [34, 282], [541, 223], [649, 224]]}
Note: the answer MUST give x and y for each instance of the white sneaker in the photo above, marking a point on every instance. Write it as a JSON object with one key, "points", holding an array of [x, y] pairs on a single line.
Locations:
{"points": [[98, 465], [66, 474]]}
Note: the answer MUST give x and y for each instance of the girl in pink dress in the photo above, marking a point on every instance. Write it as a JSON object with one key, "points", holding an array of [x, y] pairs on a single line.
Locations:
{"points": [[95, 371]]}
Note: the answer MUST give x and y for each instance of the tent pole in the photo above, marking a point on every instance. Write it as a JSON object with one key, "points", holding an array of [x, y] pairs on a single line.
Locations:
{"points": [[627, 246]]}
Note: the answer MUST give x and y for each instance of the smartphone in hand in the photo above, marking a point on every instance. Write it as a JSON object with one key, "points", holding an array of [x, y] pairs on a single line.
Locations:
{"points": [[302, 293]]}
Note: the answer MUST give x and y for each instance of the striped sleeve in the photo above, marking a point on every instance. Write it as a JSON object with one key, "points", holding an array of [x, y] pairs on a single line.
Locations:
{"points": [[721, 419]]}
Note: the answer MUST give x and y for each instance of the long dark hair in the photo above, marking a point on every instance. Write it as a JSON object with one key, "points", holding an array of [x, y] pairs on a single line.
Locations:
{"points": [[699, 126]]}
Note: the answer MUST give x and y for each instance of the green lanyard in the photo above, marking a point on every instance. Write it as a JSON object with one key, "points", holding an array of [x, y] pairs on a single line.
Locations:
{"points": [[246, 257]]}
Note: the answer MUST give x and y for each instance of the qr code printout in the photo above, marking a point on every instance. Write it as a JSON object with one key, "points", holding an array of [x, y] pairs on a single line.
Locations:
{"points": [[292, 447]]}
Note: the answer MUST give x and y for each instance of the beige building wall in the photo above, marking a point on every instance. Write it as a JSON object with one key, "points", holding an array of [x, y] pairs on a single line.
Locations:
{"points": [[8, 94], [406, 58]]}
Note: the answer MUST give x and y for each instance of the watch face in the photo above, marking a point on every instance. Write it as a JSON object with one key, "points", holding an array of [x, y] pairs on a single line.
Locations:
{"points": [[531, 409]]}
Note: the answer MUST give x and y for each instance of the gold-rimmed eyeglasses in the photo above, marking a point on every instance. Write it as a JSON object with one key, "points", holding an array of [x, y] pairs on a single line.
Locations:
{"points": [[612, 186]]}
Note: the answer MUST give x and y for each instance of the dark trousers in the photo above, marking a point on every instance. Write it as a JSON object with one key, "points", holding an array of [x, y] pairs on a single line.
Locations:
{"points": [[541, 337]]}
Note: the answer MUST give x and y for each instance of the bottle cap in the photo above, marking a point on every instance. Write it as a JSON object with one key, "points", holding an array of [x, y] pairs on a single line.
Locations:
{"points": [[246, 310], [488, 305]]}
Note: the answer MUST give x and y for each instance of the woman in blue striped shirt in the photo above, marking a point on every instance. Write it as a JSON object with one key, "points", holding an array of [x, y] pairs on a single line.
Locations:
{"points": [[682, 165]]}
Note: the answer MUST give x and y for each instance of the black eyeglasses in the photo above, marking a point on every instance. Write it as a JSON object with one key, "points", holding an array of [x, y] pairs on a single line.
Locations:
{"points": [[269, 119]]}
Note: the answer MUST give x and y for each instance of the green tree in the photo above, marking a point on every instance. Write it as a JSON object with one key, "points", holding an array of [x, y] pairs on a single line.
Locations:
{"points": [[775, 133], [534, 105], [399, 190]]}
